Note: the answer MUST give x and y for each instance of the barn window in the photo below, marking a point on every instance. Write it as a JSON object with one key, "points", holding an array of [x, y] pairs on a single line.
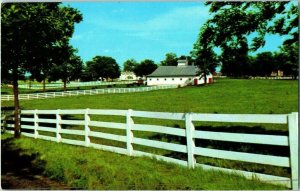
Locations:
{"points": [[180, 78], [150, 79], [157, 79], [173, 79], [190, 78], [165, 79]]}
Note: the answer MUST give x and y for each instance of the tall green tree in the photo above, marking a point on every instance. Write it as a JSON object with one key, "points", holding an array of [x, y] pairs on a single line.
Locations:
{"points": [[287, 59], [129, 65], [68, 66], [233, 22], [263, 64], [170, 60], [203, 55], [146, 67], [103, 67], [30, 34], [234, 58]]}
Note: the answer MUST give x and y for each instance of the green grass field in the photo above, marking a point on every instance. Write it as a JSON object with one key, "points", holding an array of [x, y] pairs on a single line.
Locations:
{"points": [[228, 96], [224, 96], [84, 168]]}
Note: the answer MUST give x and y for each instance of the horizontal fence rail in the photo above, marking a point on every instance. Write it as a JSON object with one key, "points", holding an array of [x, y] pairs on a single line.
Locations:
{"points": [[85, 92], [73, 84], [273, 78], [189, 148]]}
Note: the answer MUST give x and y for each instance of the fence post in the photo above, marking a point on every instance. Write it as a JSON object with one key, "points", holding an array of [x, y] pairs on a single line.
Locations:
{"points": [[58, 126], [87, 119], [36, 124], [293, 143], [189, 140], [129, 134]]}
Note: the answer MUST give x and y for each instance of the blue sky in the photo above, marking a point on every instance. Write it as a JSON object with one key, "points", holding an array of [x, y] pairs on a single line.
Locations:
{"points": [[141, 30]]}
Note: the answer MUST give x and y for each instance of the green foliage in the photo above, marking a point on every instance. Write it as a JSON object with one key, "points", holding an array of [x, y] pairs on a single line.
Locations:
{"points": [[129, 65], [233, 22], [68, 67], [288, 59], [170, 60], [31, 34], [263, 64], [103, 67], [146, 67], [203, 55]]}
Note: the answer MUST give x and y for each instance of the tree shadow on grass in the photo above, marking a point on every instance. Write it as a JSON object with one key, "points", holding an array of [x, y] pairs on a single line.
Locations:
{"points": [[23, 170]]}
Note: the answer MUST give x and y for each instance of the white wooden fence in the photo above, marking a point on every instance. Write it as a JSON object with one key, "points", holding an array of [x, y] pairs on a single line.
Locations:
{"points": [[272, 78], [263, 77], [85, 92], [73, 84], [290, 141]]}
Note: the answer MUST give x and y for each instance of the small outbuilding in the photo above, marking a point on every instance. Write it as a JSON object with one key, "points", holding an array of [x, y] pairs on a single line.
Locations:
{"points": [[182, 74], [127, 75]]}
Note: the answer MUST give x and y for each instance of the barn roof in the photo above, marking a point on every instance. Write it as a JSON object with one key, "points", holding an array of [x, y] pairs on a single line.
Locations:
{"points": [[175, 71]]}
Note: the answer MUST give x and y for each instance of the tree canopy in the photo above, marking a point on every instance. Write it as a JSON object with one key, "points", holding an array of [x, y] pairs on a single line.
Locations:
{"points": [[32, 33], [103, 67], [170, 60], [146, 67], [233, 23], [68, 67], [129, 65], [203, 55]]}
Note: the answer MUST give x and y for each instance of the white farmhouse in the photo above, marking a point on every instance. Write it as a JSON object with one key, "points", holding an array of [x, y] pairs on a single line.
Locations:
{"points": [[126, 75], [182, 74]]}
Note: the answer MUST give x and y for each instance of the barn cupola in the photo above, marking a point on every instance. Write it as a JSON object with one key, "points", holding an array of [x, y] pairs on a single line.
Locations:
{"points": [[182, 62]]}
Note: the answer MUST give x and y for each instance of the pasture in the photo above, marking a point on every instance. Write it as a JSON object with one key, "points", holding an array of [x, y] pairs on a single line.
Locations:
{"points": [[225, 96]]}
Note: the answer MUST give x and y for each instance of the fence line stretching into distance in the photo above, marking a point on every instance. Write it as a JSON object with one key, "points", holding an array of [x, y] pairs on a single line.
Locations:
{"points": [[35, 117], [85, 92], [73, 84], [263, 77], [272, 78]]}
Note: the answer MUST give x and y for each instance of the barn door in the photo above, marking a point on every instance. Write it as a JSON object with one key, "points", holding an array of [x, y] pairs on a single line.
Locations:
{"points": [[195, 81]]}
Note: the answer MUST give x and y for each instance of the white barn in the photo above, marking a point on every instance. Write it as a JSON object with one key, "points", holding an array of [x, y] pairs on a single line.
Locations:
{"points": [[126, 75], [182, 74]]}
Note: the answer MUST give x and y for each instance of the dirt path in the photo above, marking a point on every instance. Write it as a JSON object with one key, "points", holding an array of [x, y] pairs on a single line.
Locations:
{"points": [[18, 172]]}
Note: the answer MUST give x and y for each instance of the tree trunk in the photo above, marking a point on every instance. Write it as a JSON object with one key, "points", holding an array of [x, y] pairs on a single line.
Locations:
{"points": [[205, 79], [17, 104], [44, 85], [65, 84]]}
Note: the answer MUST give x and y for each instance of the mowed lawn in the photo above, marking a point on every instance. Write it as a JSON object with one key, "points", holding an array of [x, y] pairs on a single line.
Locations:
{"points": [[224, 96]]}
